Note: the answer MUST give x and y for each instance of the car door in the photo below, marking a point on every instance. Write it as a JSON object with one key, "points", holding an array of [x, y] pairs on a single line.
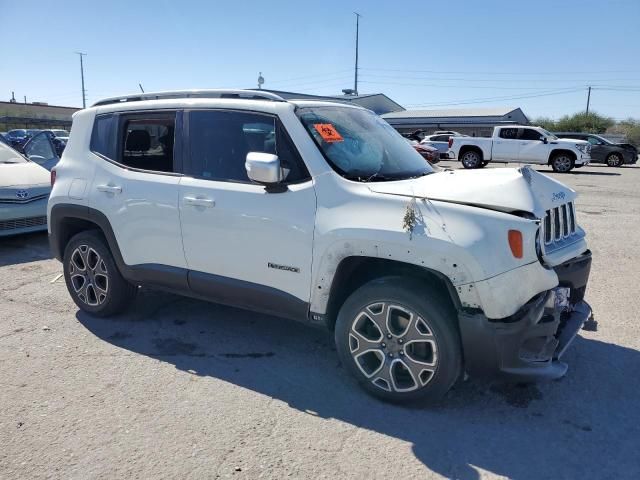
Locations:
{"points": [[441, 142], [40, 149], [506, 145], [136, 186], [599, 149], [245, 245], [533, 148]]}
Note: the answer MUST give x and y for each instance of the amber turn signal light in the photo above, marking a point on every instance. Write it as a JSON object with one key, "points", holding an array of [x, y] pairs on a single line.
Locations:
{"points": [[515, 243]]}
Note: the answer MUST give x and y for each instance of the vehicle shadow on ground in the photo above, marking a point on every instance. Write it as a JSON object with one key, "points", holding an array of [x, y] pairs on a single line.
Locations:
{"points": [[563, 429], [30, 247]]}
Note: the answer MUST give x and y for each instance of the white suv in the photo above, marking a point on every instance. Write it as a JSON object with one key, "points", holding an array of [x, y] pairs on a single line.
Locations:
{"points": [[321, 212]]}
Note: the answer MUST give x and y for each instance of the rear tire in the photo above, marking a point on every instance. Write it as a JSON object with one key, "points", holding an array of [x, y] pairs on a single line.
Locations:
{"points": [[562, 163], [615, 160], [92, 277], [471, 159], [399, 341]]}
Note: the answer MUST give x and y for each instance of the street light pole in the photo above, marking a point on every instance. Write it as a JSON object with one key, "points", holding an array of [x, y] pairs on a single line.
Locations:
{"points": [[355, 84], [84, 93]]}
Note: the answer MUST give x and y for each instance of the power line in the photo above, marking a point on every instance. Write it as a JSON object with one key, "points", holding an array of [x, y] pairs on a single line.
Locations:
{"points": [[493, 99], [493, 72], [490, 87], [472, 79]]}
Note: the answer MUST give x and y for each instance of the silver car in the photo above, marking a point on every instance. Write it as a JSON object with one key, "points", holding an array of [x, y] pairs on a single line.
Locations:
{"points": [[24, 190]]}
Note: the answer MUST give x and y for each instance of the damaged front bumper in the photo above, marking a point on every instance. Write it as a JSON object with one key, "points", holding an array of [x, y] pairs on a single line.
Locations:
{"points": [[528, 345]]}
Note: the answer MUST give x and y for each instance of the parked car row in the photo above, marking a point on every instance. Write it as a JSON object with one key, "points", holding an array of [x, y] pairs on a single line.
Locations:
{"points": [[19, 137]]}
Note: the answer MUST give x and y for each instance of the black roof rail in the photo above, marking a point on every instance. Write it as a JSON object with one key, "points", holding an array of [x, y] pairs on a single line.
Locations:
{"points": [[213, 93]]}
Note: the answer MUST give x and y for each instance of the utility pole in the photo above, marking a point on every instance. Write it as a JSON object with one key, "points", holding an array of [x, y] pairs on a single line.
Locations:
{"points": [[588, 99], [355, 84], [84, 93]]}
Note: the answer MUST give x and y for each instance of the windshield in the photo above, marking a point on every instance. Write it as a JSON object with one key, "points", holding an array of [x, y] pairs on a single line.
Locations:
{"points": [[17, 133], [549, 135], [60, 133], [360, 145], [9, 155]]}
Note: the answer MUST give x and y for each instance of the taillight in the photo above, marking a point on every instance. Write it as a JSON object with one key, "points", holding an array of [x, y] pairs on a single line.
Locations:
{"points": [[450, 141], [53, 177]]}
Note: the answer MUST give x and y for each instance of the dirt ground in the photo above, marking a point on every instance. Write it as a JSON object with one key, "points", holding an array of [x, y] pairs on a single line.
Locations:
{"points": [[180, 388]]}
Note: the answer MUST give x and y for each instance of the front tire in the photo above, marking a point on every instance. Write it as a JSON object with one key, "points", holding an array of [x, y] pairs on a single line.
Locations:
{"points": [[92, 277], [399, 341], [471, 159], [614, 160], [562, 163]]}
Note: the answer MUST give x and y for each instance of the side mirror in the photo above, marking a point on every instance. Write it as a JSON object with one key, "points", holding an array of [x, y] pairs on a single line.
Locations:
{"points": [[264, 168], [544, 140]]}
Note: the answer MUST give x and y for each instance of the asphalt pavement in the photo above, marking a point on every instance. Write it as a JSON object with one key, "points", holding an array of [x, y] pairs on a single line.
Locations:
{"points": [[180, 388]]}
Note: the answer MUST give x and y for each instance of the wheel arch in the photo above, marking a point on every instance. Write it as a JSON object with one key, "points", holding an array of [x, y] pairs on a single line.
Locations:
{"points": [[470, 148], [557, 151], [354, 271], [67, 220]]}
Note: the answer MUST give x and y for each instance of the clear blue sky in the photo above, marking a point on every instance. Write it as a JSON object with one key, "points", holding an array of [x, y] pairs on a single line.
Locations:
{"points": [[423, 54]]}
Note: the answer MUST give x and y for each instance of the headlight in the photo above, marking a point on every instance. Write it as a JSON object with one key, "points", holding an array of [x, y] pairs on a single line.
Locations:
{"points": [[539, 247], [584, 148]]}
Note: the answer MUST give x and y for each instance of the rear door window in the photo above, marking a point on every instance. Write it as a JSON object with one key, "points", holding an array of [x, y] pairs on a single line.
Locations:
{"points": [[147, 142]]}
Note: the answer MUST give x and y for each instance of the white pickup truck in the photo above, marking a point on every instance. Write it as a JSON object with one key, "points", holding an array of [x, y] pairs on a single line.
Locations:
{"points": [[522, 144]]}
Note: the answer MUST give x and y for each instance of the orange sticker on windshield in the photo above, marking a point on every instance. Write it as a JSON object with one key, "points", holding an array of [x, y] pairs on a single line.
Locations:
{"points": [[328, 132]]}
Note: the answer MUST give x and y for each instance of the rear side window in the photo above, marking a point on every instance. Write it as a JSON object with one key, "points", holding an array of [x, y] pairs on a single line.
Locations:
{"points": [[219, 142], [509, 133], [103, 137], [147, 143]]}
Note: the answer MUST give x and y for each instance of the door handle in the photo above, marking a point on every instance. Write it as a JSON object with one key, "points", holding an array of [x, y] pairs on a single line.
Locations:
{"points": [[199, 202], [109, 188]]}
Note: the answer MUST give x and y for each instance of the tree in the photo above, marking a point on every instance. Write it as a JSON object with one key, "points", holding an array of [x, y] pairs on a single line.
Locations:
{"points": [[578, 122], [630, 128]]}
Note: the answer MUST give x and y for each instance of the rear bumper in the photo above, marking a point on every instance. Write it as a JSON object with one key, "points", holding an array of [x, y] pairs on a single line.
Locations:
{"points": [[528, 345]]}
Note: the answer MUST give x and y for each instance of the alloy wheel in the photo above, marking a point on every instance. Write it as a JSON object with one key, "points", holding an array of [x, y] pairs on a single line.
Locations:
{"points": [[562, 163], [614, 160], [89, 275], [470, 160], [393, 347]]}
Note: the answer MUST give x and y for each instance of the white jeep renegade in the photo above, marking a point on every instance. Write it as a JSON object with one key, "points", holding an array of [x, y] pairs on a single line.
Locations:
{"points": [[321, 212]]}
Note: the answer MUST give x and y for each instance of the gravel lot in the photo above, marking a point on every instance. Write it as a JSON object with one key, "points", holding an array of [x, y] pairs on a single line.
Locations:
{"points": [[180, 388]]}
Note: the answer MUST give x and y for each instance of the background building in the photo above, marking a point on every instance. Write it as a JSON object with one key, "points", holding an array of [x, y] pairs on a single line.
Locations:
{"points": [[377, 102], [34, 115], [469, 121]]}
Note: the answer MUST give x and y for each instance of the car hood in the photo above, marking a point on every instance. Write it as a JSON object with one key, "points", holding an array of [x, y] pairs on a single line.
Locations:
{"points": [[503, 189], [23, 174], [569, 140]]}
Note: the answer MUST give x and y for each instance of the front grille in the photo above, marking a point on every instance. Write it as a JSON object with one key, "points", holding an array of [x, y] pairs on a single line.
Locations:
{"points": [[559, 224], [26, 200], [22, 223]]}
